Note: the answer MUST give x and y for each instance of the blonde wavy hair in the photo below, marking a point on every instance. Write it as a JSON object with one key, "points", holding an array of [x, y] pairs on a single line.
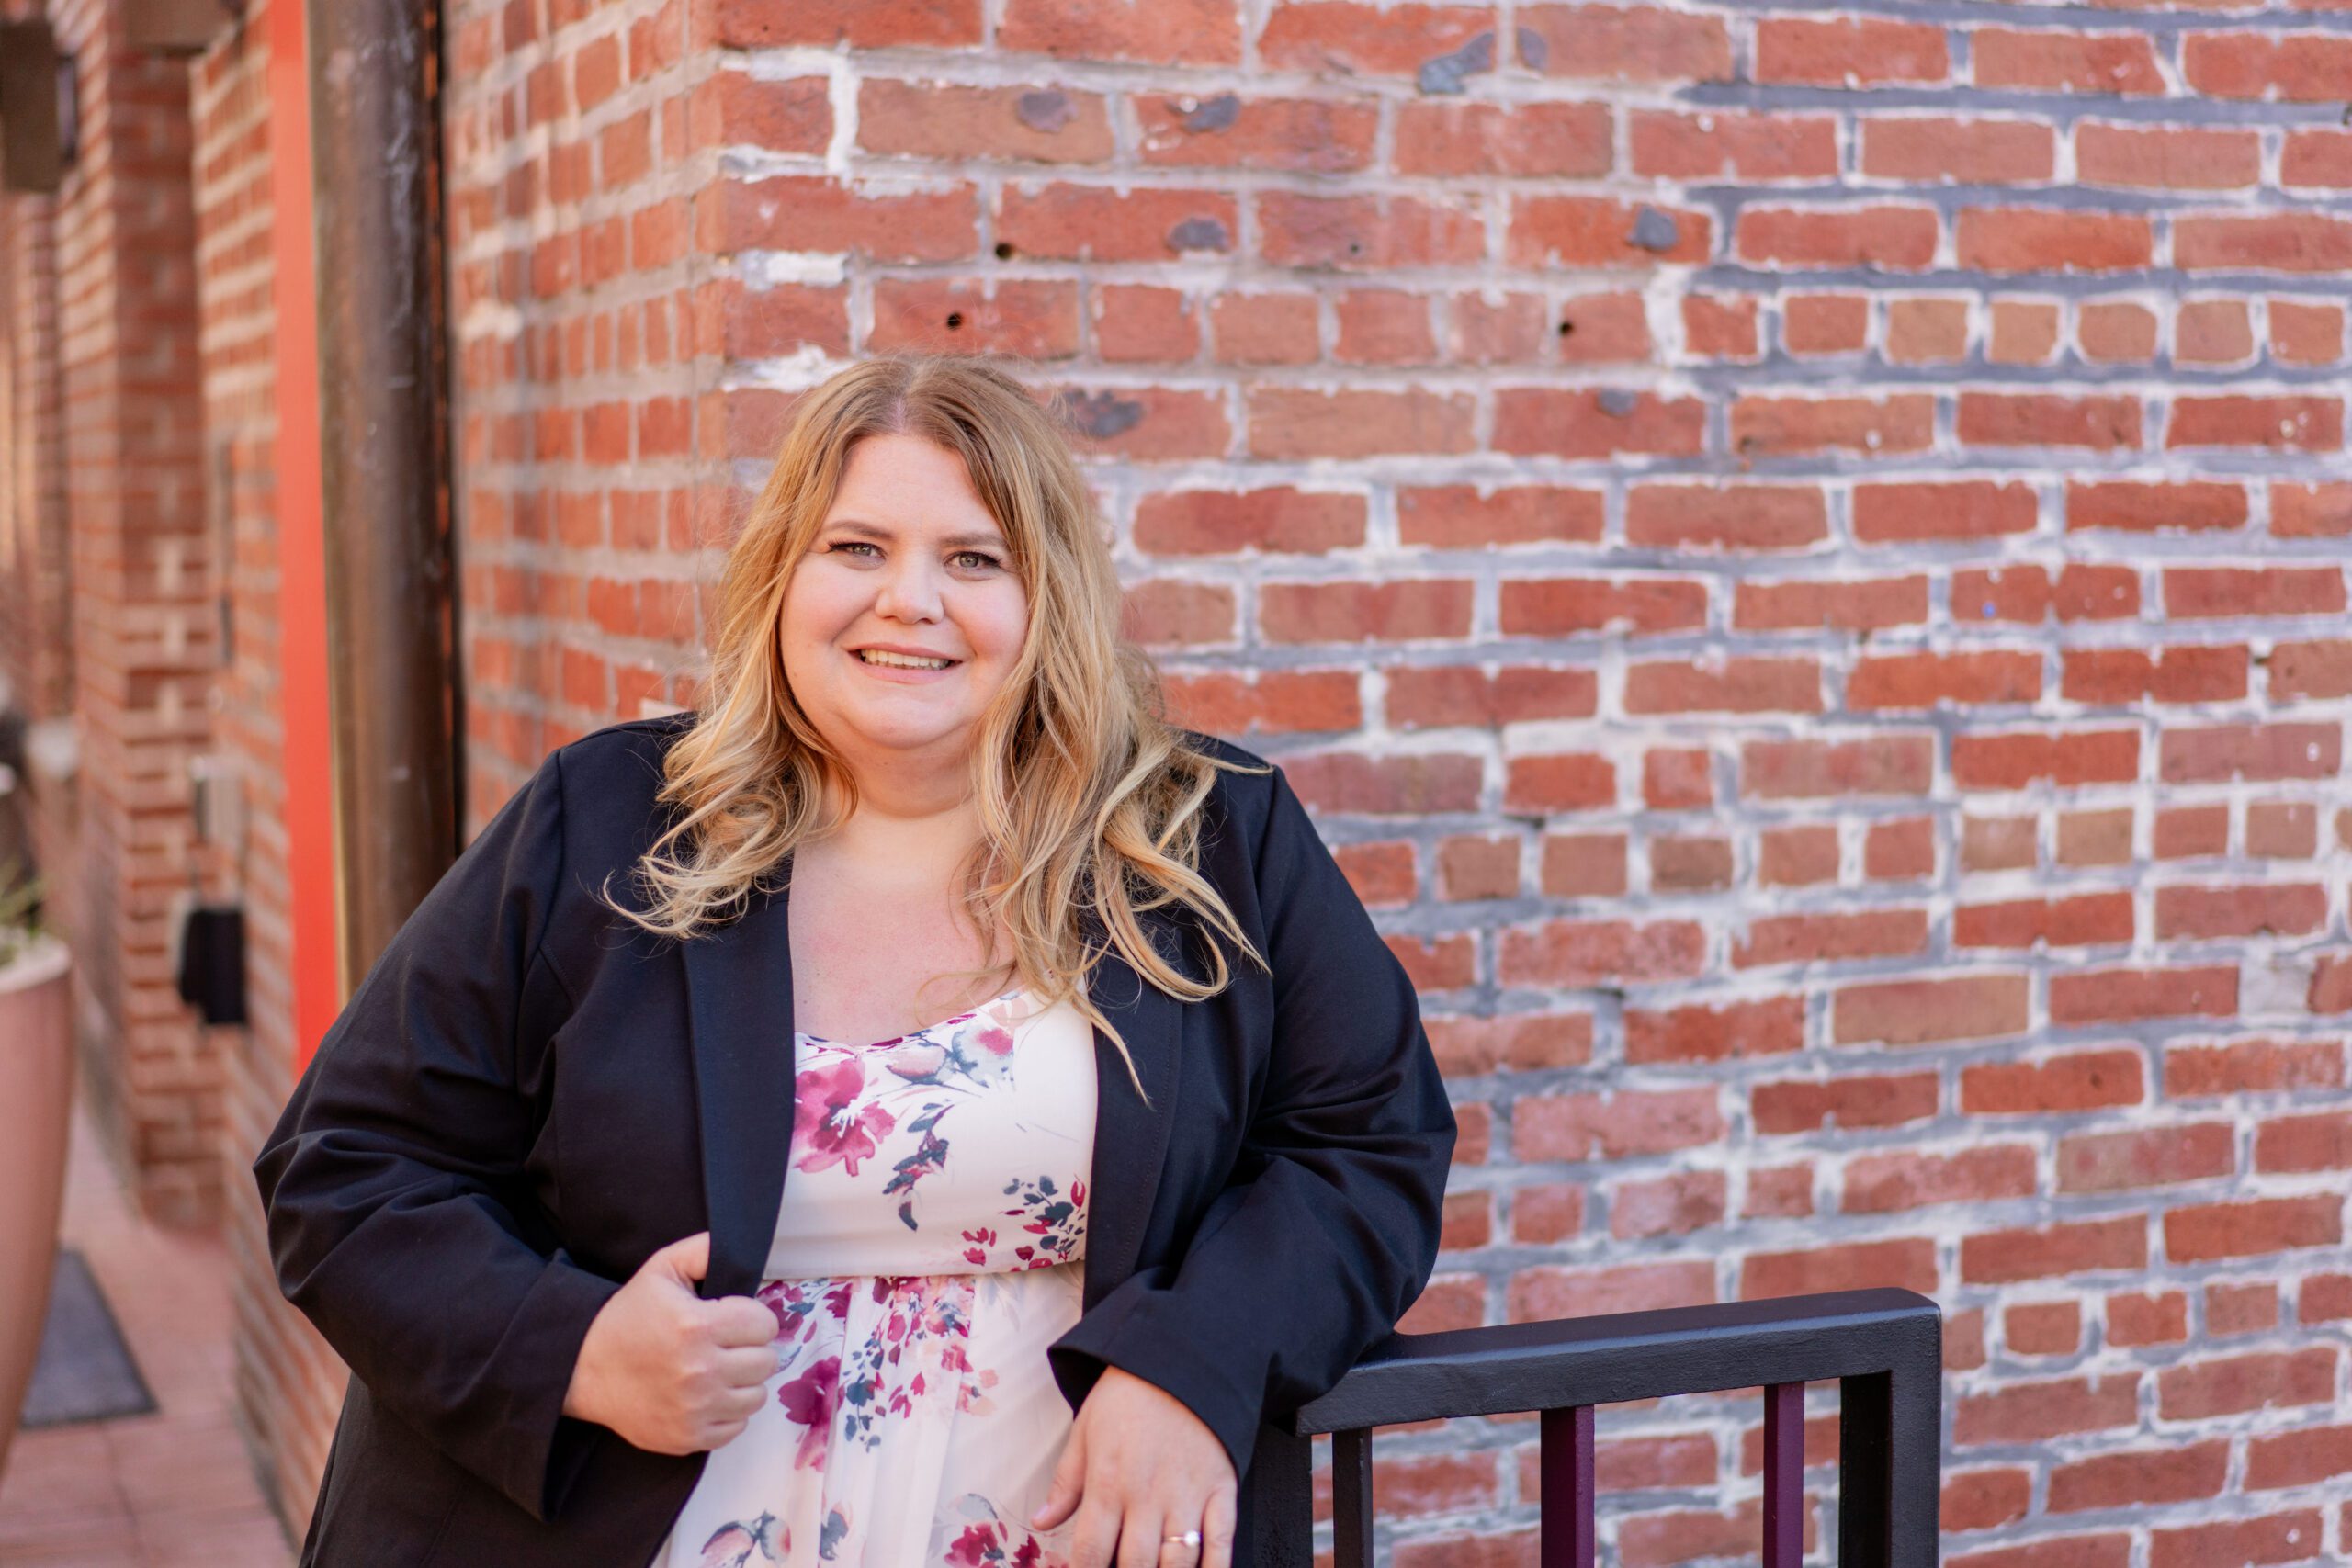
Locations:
{"points": [[1090, 802]]}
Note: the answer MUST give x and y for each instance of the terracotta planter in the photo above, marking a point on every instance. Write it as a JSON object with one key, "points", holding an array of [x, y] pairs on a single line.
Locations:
{"points": [[36, 1101]]}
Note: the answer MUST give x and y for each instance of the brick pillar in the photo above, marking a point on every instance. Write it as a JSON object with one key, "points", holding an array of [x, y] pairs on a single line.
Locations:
{"points": [[36, 650], [143, 627]]}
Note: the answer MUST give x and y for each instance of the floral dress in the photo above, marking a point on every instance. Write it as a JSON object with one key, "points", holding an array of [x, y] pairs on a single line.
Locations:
{"points": [[927, 1251]]}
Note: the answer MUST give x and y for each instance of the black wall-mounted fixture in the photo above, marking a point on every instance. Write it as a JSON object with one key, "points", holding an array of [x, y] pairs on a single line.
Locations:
{"points": [[178, 27], [36, 109]]}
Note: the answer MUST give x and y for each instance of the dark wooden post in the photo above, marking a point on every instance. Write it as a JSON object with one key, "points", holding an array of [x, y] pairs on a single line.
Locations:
{"points": [[1569, 1525], [1785, 1475]]}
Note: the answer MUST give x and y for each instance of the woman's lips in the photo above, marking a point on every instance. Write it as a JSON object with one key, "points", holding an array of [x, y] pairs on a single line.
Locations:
{"points": [[903, 675]]}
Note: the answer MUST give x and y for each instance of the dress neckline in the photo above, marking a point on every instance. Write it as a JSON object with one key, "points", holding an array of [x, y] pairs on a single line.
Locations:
{"points": [[913, 1033]]}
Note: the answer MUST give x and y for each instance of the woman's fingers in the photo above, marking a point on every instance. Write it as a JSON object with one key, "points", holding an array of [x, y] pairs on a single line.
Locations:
{"points": [[737, 1321], [685, 1259], [1216, 1530], [747, 1368], [1142, 1467], [1175, 1551], [1063, 1499], [1094, 1533], [1139, 1543]]}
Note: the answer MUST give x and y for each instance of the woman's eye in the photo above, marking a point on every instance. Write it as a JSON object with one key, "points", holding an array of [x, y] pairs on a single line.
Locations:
{"points": [[968, 560]]}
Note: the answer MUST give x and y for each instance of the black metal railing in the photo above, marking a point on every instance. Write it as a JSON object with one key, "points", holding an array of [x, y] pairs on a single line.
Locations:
{"points": [[1883, 1349]]}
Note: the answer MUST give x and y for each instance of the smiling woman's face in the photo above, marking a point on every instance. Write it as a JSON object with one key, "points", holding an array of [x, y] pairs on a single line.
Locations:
{"points": [[905, 619]]}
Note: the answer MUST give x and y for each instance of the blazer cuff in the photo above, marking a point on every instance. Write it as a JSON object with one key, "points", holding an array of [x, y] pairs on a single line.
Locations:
{"points": [[1140, 1328], [541, 1349]]}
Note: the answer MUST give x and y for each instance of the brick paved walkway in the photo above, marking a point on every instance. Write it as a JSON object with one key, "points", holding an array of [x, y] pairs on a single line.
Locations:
{"points": [[171, 1490]]}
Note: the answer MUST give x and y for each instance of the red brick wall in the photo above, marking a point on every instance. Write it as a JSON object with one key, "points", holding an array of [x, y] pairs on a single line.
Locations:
{"points": [[1798, 555]]}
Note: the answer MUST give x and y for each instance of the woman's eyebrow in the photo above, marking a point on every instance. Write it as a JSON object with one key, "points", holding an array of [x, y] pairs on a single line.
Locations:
{"points": [[859, 527]]}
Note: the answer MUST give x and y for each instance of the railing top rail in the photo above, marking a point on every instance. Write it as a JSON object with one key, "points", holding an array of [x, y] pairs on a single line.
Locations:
{"points": [[1635, 1355]]}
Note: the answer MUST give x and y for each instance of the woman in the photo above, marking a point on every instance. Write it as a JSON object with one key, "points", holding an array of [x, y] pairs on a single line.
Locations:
{"points": [[918, 1109]]}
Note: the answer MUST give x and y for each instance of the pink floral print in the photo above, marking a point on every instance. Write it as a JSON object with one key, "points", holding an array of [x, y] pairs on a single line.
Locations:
{"points": [[929, 1157], [809, 1399], [927, 1251], [829, 1122], [1056, 1217], [992, 1542], [733, 1545], [838, 1116]]}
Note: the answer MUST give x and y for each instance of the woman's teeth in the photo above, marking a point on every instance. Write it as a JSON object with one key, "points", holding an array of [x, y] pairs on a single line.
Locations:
{"points": [[901, 661]]}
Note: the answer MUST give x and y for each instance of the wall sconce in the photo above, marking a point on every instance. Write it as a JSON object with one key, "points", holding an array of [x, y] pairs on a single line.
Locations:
{"points": [[36, 109], [178, 27]]}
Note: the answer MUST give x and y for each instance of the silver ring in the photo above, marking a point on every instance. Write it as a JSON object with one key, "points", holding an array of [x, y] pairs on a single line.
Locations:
{"points": [[1190, 1538]]}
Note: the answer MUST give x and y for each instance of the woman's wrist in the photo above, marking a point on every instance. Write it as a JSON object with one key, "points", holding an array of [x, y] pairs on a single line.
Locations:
{"points": [[580, 1401]]}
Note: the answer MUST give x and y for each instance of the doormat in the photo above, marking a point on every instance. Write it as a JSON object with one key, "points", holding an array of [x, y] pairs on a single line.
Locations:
{"points": [[85, 1372]]}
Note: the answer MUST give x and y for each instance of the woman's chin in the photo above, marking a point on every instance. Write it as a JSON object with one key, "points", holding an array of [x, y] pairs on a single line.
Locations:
{"points": [[911, 733]]}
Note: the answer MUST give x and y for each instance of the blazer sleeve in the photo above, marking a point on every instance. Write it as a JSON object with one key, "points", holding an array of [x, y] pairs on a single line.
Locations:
{"points": [[1328, 1228], [398, 1221]]}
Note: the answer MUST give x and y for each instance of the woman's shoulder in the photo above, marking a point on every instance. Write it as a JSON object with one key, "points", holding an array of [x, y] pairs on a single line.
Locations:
{"points": [[609, 782], [1244, 789], [1223, 751], [660, 727], [624, 747]]}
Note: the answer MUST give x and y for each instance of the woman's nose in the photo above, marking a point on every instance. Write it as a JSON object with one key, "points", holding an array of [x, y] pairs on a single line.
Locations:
{"points": [[910, 590]]}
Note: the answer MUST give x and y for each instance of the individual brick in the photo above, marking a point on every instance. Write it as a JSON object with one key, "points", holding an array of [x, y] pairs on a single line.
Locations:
{"points": [[1925, 331], [2028, 239], [1898, 238], [2115, 332], [1624, 43], [1723, 144], [2166, 157], [2306, 332], [1849, 51], [2065, 60], [1824, 324], [2024, 333], [1530, 141], [1222, 130], [1927, 148]]}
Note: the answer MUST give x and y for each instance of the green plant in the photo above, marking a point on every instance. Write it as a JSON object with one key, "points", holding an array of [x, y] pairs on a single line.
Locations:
{"points": [[20, 910]]}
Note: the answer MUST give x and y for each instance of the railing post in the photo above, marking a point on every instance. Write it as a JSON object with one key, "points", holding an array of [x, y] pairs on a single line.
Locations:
{"points": [[1865, 1470], [1352, 1499], [1882, 1346], [1565, 1527], [1889, 1453], [1784, 1475]]}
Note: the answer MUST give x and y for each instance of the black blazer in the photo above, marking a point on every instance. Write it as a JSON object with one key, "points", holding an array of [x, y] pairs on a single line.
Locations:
{"points": [[527, 1095]]}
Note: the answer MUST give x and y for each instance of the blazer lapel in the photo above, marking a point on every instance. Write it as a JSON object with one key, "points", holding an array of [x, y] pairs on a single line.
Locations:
{"points": [[739, 1001], [1130, 1138]]}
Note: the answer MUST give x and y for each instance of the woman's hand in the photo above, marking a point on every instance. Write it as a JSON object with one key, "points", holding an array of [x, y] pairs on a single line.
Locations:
{"points": [[669, 1372], [1140, 1467]]}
